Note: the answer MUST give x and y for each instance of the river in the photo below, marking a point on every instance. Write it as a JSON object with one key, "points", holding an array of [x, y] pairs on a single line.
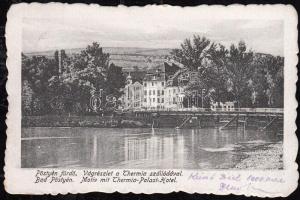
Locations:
{"points": [[145, 148]]}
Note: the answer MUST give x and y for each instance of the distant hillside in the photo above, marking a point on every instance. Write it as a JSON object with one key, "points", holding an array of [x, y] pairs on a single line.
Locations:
{"points": [[125, 57]]}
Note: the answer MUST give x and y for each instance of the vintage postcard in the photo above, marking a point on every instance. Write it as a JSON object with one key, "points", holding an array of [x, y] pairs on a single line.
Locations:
{"points": [[151, 99]]}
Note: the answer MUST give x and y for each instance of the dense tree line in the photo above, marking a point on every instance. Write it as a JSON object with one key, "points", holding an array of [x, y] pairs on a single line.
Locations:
{"points": [[226, 74], [232, 74], [47, 89]]}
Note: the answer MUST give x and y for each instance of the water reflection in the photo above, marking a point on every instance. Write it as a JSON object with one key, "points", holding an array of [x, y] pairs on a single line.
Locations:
{"points": [[136, 148]]}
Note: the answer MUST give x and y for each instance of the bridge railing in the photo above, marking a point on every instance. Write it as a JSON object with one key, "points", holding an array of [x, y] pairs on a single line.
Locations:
{"points": [[254, 110], [269, 110]]}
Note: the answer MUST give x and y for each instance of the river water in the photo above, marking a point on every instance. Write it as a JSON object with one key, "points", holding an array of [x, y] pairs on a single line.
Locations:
{"points": [[139, 148]]}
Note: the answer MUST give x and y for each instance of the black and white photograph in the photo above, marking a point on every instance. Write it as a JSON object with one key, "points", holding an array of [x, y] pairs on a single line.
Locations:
{"points": [[153, 99], [146, 93]]}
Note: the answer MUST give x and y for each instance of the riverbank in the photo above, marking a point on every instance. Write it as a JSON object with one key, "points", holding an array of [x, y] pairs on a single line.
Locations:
{"points": [[265, 156]]}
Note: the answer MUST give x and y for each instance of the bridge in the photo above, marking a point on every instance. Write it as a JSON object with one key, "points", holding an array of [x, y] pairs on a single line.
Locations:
{"points": [[262, 118], [205, 111]]}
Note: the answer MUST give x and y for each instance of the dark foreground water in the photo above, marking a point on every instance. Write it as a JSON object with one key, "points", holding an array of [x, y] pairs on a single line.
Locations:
{"points": [[140, 148]]}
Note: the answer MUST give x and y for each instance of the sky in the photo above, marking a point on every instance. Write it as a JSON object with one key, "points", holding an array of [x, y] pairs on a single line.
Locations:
{"points": [[128, 30]]}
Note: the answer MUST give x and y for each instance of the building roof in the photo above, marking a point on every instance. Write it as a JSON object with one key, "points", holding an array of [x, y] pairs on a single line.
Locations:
{"points": [[156, 74], [162, 72], [137, 83]]}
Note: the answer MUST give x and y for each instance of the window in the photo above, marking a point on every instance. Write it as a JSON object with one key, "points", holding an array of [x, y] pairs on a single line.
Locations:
{"points": [[153, 92], [149, 92], [162, 92], [145, 92], [162, 100], [174, 101], [153, 99], [162, 83], [158, 92], [152, 84], [158, 100], [145, 84], [145, 99]]}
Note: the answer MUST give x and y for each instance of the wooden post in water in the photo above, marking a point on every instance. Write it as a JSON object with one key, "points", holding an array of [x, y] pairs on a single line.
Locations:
{"points": [[199, 121], [237, 121]]}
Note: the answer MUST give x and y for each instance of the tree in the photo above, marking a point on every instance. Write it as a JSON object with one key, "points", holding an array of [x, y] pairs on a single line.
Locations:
{"points": [[91, 65], [216, 75], [87, 72], [70, 93], [275, 80], [258, 85], [115, 80], [239, 72], [36, 71], [26, 98], [268, 80], [192, 53]]}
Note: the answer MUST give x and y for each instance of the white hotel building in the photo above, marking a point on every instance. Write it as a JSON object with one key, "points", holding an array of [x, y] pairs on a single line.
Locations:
{"points": [[154, 90], [159, 94], [157, 91]]}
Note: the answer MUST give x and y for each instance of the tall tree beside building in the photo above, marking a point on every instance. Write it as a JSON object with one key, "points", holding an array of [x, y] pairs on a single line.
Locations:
{"points": [[115, 80], [192, 53], [216, 74], [239, 71]]}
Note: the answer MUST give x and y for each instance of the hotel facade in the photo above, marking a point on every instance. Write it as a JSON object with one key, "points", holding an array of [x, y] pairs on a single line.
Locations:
{"points": [[155, 92]]}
